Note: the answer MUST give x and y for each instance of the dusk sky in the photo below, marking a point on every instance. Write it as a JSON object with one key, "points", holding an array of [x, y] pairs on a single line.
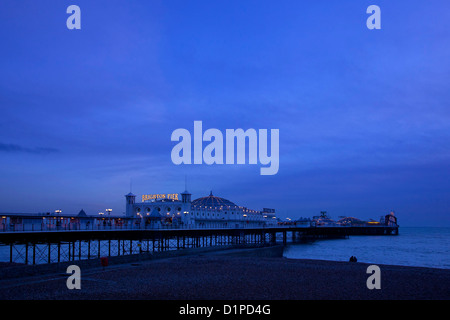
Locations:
{"points": [[363, 115]]}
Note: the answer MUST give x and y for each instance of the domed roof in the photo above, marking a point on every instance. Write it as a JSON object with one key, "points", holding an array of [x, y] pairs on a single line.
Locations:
{"points": [[212, 201]]}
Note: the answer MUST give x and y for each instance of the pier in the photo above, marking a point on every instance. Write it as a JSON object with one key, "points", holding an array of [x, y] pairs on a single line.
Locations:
{"points": [[46, 247]]}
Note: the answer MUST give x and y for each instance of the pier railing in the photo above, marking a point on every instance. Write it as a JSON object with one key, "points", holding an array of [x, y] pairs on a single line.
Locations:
{"points": [[99, 227]]}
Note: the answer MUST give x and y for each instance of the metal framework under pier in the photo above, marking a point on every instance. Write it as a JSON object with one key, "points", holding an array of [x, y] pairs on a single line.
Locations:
{"points": [[60, 246]]}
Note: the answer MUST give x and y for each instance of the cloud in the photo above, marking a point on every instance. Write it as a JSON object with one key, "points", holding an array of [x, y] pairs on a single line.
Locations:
{"points": [[14, 148]]}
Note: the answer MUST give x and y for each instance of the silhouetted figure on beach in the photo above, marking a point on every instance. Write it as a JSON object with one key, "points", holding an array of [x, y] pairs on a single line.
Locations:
{"points": [[353, 259]]}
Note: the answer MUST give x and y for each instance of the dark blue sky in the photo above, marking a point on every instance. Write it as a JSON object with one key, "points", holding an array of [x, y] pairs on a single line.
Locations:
{"points": [[364, 115]]}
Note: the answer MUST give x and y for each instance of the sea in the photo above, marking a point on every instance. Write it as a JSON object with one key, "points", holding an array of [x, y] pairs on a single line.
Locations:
{"points": [[414, 246]]}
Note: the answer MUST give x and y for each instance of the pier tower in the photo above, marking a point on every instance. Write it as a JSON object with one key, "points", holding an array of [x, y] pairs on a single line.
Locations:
{"points": [[186, 197], [130, 201]]}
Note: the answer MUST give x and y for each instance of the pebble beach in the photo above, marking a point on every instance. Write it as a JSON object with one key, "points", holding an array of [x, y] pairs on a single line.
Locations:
{"points": [[228, 277]]}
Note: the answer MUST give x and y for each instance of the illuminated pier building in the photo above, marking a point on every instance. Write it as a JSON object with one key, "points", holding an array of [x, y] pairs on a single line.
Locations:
{"points": [[169, 209]]}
